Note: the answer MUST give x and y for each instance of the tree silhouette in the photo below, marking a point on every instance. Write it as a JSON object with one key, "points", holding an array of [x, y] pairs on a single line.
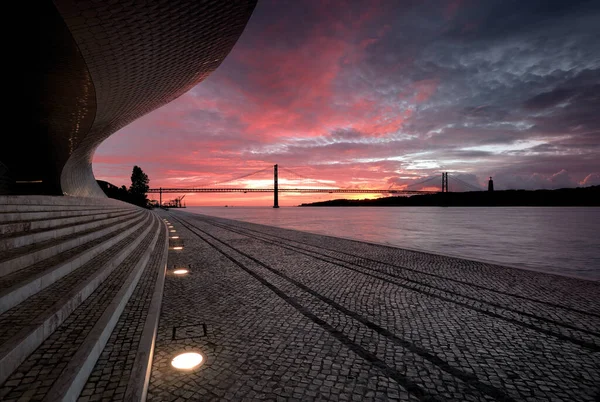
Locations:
{"points": [[139, 187]]}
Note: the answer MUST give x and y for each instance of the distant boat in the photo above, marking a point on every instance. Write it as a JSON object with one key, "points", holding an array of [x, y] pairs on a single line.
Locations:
{"points": [[225, 206]]}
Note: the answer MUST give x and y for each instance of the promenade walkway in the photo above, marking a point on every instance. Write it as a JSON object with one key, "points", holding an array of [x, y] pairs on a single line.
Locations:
{"points": [[286, 315]]}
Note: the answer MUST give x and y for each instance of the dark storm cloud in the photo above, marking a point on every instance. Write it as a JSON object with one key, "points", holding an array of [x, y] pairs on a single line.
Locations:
{"points": [[499, 18], [502, 73], [550, 98]]}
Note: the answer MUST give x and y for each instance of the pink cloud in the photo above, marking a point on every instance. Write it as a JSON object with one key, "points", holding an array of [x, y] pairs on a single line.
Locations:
{"points": [[330, 92]]}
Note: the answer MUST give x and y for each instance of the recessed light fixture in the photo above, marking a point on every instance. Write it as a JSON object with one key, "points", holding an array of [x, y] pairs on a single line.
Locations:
{"points": [[187, 361], [181, 271], [178, 248], [174, 237], [172, 231]]}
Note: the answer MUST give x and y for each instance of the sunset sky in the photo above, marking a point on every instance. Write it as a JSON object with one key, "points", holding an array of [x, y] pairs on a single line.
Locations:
{"points": [[378, 94]]}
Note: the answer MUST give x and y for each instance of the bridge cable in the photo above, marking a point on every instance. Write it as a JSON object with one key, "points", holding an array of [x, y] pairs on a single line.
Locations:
{"points": [[300, 176], [423, 181], [236, 178], [464, 183]]}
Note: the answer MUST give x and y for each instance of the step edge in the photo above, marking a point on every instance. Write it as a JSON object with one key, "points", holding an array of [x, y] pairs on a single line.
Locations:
{"points": [[73, 377], [4, 221], [23, 239], [43, 279], [48, 321], [21, 227], [139, 379], [56, 249]]}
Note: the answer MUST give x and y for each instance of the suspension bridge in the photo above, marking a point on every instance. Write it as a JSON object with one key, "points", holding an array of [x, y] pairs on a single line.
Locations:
{"points": [[294, 177]]}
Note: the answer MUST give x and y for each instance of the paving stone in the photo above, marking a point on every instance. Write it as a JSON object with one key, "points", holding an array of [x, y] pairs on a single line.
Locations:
{"points": [[293, 315]]}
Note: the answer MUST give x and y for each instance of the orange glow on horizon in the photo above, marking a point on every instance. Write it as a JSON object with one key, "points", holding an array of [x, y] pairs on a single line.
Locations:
{"points": [[263, 199]]}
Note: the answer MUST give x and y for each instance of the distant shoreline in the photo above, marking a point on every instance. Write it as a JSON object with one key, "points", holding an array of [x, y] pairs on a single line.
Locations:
{"points": [[564, 197]]}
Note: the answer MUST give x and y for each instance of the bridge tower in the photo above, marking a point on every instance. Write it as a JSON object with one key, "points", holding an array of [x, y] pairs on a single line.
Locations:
{"points": [[444, 182], [275, 188]]}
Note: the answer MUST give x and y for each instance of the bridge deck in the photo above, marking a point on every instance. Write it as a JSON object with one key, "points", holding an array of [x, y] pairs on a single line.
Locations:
{"points": [[285, 190], [282, 314]]}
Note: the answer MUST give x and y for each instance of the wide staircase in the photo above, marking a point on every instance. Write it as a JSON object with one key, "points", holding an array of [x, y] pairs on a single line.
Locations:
{"points": [[80, 290]]}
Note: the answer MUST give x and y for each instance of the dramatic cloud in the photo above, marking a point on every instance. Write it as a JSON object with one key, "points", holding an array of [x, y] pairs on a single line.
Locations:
{"points": [[380, 94]]}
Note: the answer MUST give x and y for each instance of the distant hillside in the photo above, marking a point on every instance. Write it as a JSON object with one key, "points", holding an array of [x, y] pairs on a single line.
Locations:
{"points": [[580, 196]]}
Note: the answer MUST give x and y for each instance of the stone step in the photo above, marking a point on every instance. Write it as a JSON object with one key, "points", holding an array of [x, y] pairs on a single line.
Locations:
{"points": [[24, 327], [14, 228], [22, 284], [72, 378], [20, 240], [15, 203], [53, 212], [22, 257], [117, 365]]}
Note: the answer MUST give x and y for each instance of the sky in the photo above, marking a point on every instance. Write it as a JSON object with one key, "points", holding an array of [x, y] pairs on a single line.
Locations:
{"points": [[382, 94]]}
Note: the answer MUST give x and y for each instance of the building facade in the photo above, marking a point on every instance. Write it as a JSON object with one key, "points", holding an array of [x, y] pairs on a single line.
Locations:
{"points": [[98, 67]]}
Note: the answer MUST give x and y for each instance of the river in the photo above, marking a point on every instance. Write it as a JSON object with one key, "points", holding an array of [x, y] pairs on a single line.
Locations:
{"points": [[564, 241]]}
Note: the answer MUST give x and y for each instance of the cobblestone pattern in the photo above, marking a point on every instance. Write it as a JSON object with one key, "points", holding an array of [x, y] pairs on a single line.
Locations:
{"points": [[108, 381], [23, 275], [36, 375], [563, 322], [433, 317], [256, 346], [19, 317], [568, 293], [19, 251], [439, 336]]}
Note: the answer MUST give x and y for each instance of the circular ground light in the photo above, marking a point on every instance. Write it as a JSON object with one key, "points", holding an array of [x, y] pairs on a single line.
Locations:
{"points": [[182, 271], [187, 361]]}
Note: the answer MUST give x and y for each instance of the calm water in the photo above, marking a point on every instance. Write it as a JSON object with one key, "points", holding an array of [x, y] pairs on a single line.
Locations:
{"points": [[565, 241]]}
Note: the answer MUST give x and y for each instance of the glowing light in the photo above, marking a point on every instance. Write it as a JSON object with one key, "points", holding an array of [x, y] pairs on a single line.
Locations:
{"points": [[172, 231], [180, 271], [187, 361], [174, 237], [178, 248]]}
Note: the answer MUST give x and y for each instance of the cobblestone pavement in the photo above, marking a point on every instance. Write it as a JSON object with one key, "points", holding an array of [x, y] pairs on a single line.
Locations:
{"points": [[286, 315]]}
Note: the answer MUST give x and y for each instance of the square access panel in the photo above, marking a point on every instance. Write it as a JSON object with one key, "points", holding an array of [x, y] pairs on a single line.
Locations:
{"points": [[189, 331]]}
